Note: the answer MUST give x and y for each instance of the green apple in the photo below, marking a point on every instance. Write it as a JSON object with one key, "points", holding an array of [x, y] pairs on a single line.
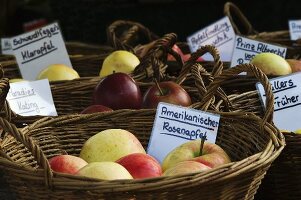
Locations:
{"points": [[105, 171], [271, 64], [110, 145], [298, 131], [185, 167], [119, 61], [212, 154], [57, 72]]}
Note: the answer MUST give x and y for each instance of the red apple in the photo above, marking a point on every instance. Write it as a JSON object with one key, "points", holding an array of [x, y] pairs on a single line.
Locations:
{"points": [[66, 164], [118, 91], [141, 165], [212, 155], [166, 91], [184, 57], [96, 108], [185, 167], [295, 64]]}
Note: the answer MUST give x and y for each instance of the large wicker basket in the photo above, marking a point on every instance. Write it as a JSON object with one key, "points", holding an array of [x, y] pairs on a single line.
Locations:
{"points": [[253, 143]]}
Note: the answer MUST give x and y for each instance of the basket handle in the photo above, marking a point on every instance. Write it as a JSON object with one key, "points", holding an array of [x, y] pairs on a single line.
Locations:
{"points": [[218, 64], [32, 147], [156, 55], [227, 74], [230, 10], [124, 40]]}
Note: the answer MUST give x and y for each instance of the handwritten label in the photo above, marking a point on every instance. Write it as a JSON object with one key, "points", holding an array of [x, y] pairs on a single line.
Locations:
{"points": [[287, 101], [29, 98], [220, 34], [175, 125], [37, 49], [245, 49], [295, 29], [6, 48]]}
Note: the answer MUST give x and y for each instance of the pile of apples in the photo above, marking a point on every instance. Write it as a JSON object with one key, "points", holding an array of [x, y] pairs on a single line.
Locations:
{"points": [[118, 90], [117, 154]]}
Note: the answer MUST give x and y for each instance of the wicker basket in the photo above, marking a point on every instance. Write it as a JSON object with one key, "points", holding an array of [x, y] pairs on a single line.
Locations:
{"points": [[281, 37], [252, 143]]}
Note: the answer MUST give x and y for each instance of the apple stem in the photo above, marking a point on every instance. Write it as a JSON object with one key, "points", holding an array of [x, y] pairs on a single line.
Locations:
{"points": [[158, 86], [203, 138]]}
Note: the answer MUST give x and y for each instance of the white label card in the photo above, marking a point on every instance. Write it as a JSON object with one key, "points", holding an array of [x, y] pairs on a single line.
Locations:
{"points": [[37, 49], [220, 34], [175, 125], [29, 98], [6, 48], [287, 101], [245, 49], [295, 29]]}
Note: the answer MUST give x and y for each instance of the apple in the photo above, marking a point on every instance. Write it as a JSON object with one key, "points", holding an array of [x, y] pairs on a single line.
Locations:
{"points": [[295, 64], [166, 91], [212, 154], [271, 64], [119, 61], [118, 91], [141, 165], [66, 163], [185, 57], [184, 167], [105, 171], [15, 80], [96, 108], [57, 72], [298, 131], [110, 145]]}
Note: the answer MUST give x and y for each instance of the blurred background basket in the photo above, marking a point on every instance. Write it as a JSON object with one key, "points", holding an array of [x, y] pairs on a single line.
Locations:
{"points": [[252, 143], [243, 27]]}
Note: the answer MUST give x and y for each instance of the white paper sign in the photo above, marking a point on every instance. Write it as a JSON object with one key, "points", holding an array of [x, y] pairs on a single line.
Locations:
{"points": [[245, 49], [287, 101], [220, 34], [29, 98], [38, 49], [6, 48], [295, 29], [175, 125]]}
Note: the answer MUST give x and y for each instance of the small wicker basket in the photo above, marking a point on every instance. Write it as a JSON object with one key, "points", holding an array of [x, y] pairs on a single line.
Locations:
{"points": [[253, 143]]}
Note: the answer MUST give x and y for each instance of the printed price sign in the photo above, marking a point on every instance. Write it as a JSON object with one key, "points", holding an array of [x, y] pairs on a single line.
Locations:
{"points": [[38, 49], [295, 29], [220, 34], [29, 98], [245, 49], [287, 101], [175, 125], [6, 48]]}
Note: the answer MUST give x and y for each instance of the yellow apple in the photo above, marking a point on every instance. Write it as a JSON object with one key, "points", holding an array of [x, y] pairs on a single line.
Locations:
{"points": [[271, 64], [110, 145], [185, 167], [105, 171], [119, 61], [212, 154], [298, 131], [57, 72], [15, 80]]}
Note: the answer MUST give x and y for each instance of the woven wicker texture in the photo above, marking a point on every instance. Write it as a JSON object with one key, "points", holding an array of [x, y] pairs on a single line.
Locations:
{"points": [[252, 143], [242, 26]]}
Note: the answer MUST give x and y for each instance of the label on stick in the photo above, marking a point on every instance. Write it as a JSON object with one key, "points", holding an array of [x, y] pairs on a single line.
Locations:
{"points": [[220, 34], [245, 49], [29, 98], [38, 49], [175, 125]]}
